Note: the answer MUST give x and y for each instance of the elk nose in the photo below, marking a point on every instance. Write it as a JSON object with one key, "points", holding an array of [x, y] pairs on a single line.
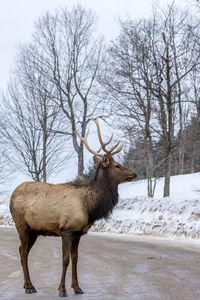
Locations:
{"points": [[132, 176]]}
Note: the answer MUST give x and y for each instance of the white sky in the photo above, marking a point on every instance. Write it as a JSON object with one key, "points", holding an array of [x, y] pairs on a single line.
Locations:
{"points": [[17, 18], [17, 22]]}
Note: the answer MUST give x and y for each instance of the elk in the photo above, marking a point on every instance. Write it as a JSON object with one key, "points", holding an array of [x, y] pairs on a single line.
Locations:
{"points": [[67, 210]]}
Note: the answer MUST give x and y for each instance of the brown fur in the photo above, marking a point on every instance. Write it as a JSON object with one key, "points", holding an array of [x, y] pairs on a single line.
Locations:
{"points": [[66, 210]]}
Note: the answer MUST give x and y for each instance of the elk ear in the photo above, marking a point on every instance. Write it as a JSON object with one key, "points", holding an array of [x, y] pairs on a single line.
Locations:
{"points": [[96, 160], [105, 161]]}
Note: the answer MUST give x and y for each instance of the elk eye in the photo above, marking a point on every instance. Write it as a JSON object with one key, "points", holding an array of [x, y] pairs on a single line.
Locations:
{"points": [[117, 166]]}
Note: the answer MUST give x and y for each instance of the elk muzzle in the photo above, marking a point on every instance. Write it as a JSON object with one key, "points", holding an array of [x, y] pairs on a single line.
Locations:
{"points": [[131, 176]]}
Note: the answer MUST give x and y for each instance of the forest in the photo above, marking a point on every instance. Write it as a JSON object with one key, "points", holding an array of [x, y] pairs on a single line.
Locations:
{"points": [[144, 83]]}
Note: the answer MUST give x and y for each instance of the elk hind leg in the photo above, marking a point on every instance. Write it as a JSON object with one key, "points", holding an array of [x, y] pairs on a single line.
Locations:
{"points": [[67, 237], [28, 239], [74, 259]]}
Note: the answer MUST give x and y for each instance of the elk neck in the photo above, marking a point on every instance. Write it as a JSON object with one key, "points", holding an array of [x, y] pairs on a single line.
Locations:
{"points": [[105, 195]]}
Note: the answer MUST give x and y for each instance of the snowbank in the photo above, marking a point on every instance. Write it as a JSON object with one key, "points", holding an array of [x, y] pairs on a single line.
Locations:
{"points": [[5, 216], [175, 216], [141, 215]]}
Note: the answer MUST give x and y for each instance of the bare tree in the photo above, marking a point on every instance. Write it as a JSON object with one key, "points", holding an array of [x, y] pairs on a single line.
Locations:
{"points": [[151, 61], [197, 2], [193, 130], [173, 56], [27, 122], [6, 170], [131, 101], [66, 53]]}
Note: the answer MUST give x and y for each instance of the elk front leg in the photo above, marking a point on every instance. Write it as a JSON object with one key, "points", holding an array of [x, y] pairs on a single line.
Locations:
{"points": [[67, 237], [74, 258], [28, 239]]}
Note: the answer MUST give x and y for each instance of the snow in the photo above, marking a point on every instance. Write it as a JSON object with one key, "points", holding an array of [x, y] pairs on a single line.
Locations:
{"points": [[5, 216], [181, 185], [177, 216]]}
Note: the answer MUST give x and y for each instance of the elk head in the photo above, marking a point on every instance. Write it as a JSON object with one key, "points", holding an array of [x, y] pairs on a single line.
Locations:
{"points": [[107, 166]]}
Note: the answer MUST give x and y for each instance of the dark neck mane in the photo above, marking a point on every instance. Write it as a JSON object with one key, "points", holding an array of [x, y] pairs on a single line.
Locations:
{"points": [[107, 196]]}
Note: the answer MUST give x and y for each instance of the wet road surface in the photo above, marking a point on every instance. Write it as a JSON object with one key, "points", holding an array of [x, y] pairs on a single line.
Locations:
{"points": [[109, 268]]}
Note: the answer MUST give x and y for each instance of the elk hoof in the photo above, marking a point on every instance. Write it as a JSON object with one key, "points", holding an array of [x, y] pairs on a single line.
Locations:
{"points": [[79, 292], [62, 294], [30, 291]]}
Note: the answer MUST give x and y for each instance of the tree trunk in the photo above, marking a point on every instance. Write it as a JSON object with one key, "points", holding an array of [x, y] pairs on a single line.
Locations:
{"points": [[80, 163], [44, 164], [181, 160], [79, 151], [192, 169], [167, 174], [149, 166], [192, 166], [44, 152], [150, 187]]}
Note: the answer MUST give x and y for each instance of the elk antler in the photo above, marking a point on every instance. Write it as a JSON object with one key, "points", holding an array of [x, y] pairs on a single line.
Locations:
{"points": [[103, 145], [86, 144]]}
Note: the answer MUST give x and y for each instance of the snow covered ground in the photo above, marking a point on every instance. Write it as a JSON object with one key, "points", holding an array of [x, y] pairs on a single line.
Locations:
{"points": [[5, 216], [177, 216], [174, 216]]}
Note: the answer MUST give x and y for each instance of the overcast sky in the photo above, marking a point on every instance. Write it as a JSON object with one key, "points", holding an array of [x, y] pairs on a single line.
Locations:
{"points": [[17, 20]]}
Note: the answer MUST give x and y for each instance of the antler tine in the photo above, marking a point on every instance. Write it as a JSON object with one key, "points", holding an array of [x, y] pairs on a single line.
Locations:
{"points": [[80, 137], [103, 145], [99, 150], [118, 150], [84, 139], [114, 147], [96, 121]]}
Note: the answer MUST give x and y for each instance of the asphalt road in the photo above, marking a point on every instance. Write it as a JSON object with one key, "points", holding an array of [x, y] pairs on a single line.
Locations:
{"points": [[109, 268]]}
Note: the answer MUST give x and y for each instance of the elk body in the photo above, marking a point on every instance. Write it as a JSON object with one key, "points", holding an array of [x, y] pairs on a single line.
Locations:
{"points": [[67, 210]]}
